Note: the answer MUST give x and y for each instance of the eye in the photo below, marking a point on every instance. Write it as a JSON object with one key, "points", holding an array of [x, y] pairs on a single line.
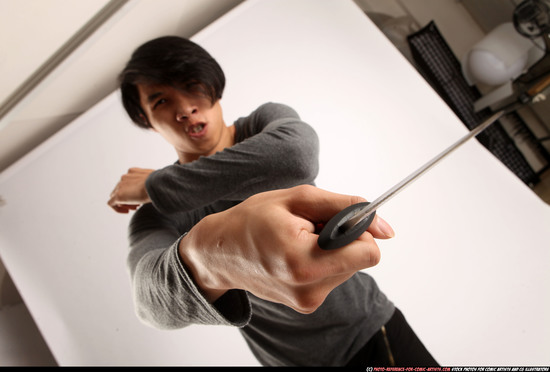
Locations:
{"points": [[159, 102]]}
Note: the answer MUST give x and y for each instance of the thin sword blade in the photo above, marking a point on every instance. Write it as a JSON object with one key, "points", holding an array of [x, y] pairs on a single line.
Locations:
{"points": [[382, 199]]}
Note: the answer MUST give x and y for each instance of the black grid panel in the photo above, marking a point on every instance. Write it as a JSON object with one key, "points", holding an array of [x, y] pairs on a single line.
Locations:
{"points": [[439, 66]]}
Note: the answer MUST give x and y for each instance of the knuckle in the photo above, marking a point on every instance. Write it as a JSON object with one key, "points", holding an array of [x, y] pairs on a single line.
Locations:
{"points": [[372, 254], [301, 276], [303, 191], [298, 272], [354, 199], [375, 257], [307, 301]]}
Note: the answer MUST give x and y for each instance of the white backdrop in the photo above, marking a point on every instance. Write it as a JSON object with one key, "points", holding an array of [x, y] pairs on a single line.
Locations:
{"points": [[468, 265]]}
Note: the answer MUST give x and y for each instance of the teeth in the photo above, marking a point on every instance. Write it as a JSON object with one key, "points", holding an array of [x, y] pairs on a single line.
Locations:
{"points": [[197, 128]]}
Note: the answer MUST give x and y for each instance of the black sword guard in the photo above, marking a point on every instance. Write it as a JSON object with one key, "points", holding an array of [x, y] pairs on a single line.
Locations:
{"points": [[334, 235]]}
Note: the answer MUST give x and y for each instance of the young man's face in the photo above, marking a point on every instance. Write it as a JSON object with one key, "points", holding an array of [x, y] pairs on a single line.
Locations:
{"points": [[189, 122]]}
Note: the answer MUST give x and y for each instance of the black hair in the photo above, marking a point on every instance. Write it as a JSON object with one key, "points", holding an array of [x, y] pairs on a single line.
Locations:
{"points": [[173, 61]]}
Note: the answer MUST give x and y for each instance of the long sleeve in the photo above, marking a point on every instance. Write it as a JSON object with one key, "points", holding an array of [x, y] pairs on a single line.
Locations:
{"points": [[278, 151], [165, 296], [273, 149]]}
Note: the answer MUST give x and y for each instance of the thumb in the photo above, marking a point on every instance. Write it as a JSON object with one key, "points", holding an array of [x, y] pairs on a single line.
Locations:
{"points": [[380, 229]]}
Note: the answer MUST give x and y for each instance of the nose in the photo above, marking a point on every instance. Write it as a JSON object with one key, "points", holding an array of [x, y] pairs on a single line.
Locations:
{"points": [[185, 112]]}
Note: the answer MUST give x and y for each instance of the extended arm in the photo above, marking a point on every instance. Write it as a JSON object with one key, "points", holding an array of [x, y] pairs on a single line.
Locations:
{"points": [[266, 245], [165, 295]]}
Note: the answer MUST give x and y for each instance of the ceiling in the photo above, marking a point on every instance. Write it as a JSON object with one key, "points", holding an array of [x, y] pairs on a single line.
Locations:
{"points": [[32, 32]]}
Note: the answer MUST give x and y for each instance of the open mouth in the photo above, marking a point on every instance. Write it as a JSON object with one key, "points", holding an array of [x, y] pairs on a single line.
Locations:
{"points": [[196, 129]]}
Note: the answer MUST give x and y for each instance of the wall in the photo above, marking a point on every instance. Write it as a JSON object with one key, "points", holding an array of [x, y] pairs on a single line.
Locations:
{"points": [[463, 23], [21, 55]]}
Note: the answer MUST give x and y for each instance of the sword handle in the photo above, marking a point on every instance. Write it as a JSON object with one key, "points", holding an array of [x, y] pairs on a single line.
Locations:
{"points": [[334, 235]]}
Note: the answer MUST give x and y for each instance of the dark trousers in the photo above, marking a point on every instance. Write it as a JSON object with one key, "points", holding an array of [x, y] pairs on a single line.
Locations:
{"points": [[395, 344]]}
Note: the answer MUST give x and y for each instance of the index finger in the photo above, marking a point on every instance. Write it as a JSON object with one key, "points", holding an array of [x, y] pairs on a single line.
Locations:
{"points": [[318, 205]]}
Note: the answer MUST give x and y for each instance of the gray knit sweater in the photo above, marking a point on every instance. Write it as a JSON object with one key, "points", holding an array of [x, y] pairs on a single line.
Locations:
{"points": [[273, 149]]}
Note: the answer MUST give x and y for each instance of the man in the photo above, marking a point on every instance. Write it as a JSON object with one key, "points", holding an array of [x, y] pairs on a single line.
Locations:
{"points": [[227, 234]]}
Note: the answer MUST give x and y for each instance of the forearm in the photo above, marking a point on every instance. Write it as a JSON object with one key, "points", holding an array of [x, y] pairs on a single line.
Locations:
{"points": [[165, 294], [267, 245], [281, 157], [166, 297]]}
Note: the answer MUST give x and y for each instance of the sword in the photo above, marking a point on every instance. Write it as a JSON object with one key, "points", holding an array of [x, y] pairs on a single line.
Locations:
{"points": [[351, 222]]}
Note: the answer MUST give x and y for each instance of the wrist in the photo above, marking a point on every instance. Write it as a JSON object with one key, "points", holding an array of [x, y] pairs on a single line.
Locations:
{"points": [[193, 252]]}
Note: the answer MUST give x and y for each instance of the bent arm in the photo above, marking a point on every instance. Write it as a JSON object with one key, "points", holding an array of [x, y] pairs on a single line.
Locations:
{"points": [[283, 153]]}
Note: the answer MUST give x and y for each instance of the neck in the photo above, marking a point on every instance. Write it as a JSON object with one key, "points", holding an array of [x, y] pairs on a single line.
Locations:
{"points": [[227, 139]]}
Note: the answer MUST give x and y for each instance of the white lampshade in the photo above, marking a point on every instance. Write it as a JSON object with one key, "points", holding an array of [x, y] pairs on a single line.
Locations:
{"points": [[498, 58]]}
